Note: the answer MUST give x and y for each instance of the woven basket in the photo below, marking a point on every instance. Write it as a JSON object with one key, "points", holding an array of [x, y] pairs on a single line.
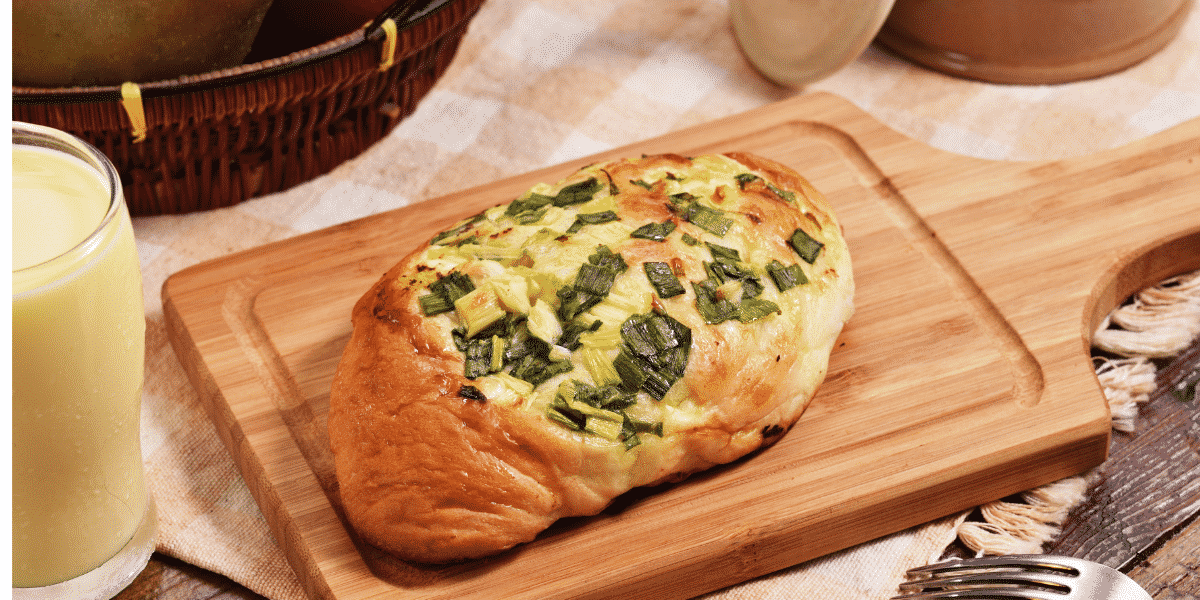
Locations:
{"points": [[213, 140]]}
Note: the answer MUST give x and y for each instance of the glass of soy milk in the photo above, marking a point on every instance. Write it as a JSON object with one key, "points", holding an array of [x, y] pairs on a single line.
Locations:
{"points": [[83, 522]]}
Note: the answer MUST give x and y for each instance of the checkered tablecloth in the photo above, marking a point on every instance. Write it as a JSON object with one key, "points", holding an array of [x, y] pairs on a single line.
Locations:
{"points": [[538, 82]]}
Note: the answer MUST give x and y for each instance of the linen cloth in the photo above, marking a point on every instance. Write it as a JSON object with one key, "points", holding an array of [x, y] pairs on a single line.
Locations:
{"points": [[538, 82]]}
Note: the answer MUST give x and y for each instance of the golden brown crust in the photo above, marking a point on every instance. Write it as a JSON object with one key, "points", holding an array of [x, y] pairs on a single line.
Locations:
{"points": [[432, 476]]}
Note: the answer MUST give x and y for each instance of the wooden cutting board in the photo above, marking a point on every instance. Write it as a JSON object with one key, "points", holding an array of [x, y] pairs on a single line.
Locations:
{"points": [[963, 377]]}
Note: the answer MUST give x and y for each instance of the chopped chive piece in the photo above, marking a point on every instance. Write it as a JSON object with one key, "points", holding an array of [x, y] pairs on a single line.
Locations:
{"points": [[521, 343], [471, 392], [435, 304], [713, 307], [594, 280], [530, 217], [479, 309], [577, 193], [631, 441], [805, 246], [603, 257], [657, 385], [498, 345], [682, 197], [689, 240], [752, 287], [782, 193], [452, 286], [631, 371], [478, 361], [529, 204], [641, 183], [654, 231], [457, 230], [571, 332], [753, 309], [744, 179], [786, 278], [572, 302], [665, 283], [557, 415], [709, 219], [538, 370], [636, 333], [592, 219], [720, 252], [604, 428]]}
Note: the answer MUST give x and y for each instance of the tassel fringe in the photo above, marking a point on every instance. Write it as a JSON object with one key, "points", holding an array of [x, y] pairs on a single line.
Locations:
{"points": [[1160, 322]]}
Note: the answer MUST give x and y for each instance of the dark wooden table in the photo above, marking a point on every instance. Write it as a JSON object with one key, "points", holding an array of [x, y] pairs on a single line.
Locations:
{"points": [[1140, 516]]}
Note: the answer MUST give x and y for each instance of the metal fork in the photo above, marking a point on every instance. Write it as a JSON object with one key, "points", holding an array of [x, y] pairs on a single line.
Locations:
{"points": [[1020, 577]]}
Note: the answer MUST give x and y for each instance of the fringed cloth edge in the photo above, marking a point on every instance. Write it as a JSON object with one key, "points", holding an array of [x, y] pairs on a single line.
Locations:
{"points": [[1159, 322]]}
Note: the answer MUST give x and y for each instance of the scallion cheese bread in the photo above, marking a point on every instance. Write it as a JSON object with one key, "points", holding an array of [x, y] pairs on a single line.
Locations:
{"points": [[641, 320]]}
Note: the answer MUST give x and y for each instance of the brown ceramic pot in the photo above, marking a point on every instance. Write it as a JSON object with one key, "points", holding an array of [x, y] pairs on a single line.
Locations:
{"points": [[1031, 41]]}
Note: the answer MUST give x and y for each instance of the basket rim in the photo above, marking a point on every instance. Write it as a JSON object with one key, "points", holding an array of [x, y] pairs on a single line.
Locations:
{"points": [[413, 14]]}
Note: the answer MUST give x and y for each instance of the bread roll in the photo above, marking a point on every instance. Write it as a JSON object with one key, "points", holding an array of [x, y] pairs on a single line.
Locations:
{"points": [[641, 320]]}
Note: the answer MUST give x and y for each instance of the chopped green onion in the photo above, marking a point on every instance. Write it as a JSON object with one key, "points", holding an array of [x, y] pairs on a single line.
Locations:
{"points": [[457, 230], [479, 309], [631, 371], [521, 343], [753, 309], [641, 183], [559, 414], [594, 280], [605, 428], [592, 219], [435, 304], [751, 287], [786, 277], [452, 286], [709, 219], [572, 302], [665, 283], [478, 361], [571, 332], [604, 257], [745, 179], [538, 370], [471, 392], [577, 193], [498, 344], [805, 246], [713, 307], [723, 253], [657, 384], [782, 193], [689, 240], [654, 231], [529, 204]]}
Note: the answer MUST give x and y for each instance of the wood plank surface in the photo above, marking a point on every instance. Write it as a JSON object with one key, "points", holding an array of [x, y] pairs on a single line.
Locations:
{"points": [[1148, 491], [963, 377]]}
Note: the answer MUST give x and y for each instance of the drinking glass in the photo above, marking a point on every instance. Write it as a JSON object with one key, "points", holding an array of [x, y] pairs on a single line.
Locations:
{"points": [[83, 522]]}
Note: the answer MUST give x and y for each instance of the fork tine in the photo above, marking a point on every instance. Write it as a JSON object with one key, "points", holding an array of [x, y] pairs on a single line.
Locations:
{"points": [[999, 581], [994, 579], [977, 595], [992, 564]]}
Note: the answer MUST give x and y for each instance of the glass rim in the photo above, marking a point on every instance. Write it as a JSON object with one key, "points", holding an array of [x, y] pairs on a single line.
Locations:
{"points": [[57, 140]]}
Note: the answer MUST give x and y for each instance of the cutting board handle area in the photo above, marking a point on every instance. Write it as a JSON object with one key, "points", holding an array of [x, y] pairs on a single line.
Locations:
{"points": [[964, 375]]}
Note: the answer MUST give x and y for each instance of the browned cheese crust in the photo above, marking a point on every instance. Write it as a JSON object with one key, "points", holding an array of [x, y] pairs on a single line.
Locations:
{"points": [[436, 463]]}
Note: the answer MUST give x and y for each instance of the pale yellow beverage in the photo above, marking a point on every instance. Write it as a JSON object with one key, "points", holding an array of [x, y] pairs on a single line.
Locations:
{"points": [[78, 334]]}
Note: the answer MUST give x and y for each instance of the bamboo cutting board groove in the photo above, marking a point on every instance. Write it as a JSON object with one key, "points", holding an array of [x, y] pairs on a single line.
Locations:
{"points": [[963, 377]]}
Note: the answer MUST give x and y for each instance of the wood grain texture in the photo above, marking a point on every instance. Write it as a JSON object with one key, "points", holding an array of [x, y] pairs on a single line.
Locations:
{"points": [[962, 378], [1149, 488]]}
